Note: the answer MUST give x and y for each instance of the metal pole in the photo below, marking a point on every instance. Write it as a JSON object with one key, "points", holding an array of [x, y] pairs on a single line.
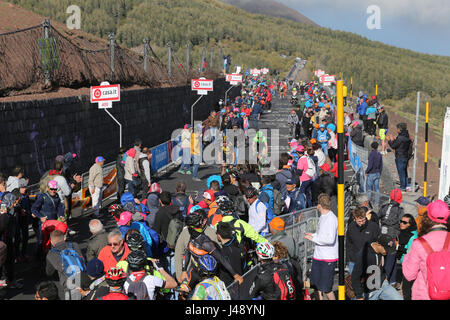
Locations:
{"points": [[188, 62], [145, 53], [111, 38], [425, 167], [226, 93], [46, 26], [341, 200], [413, 180], [120, 126], [169, 58], [192, 111]]}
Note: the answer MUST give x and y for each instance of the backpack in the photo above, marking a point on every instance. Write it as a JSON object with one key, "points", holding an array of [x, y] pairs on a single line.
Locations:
{"points": [[71, 261], [278, 202], [173, 232], [283, 280], [138, 289], [311, 172], [438, 266], [183, 206]]}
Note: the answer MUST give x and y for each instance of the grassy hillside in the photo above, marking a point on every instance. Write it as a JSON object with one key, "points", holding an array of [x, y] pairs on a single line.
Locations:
{"points": [[258, 40]]}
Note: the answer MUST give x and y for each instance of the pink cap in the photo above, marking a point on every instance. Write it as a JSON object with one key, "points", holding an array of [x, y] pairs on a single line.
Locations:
{"points": [[74, 155], [438, 211], [300, 149], [53, 184], [125, 217]]}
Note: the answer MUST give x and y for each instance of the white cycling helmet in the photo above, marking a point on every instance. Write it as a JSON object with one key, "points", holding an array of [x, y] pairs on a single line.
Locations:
{"points": [[265, 250]]}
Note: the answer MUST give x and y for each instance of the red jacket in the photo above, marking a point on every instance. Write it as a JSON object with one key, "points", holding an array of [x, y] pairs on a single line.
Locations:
{"points": [[48, 227], [108, 259]]}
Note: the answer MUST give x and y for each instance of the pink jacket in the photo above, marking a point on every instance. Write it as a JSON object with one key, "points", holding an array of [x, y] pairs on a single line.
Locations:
{"points": [[414, 264]]}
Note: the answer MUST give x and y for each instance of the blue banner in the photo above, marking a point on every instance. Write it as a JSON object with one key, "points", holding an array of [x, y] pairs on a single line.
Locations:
{"points": [[160, 156]]}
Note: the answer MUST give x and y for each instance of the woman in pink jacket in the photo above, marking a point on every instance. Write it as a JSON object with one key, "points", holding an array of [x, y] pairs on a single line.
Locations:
{"points": [[434, 230]]}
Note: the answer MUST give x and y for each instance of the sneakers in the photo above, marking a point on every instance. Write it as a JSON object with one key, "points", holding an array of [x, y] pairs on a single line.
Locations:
{"points": [[188, 172], [197, 179], [181, 171]]}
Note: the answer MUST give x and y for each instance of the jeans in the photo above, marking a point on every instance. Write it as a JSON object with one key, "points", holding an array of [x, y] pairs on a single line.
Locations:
{"points": [[402, 169], [186, 159], [373, 180], [196, 159], [386, 292], [306, 188]]}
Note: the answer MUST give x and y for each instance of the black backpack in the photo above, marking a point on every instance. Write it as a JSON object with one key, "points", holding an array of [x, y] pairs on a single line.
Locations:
{"points": [[410, 149], [138, 289], [283, 280]]}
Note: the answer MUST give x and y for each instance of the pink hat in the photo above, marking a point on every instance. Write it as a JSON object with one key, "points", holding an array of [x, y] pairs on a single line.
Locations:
{"points": [[125, 217], [300, 149], [53, 184], [438, 211]]}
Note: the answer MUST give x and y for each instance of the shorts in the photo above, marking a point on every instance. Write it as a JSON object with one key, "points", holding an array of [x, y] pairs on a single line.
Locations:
{"points": [[383, 134], [322, 275]]}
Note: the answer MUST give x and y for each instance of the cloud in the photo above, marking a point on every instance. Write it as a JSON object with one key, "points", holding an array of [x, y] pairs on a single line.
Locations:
{"points": [[424, 12]]}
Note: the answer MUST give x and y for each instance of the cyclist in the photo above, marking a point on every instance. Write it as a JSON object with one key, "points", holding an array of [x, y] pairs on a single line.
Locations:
{"points": [[115, 278], [199, 245], [273, 280], [210, 287], [139, 283]]}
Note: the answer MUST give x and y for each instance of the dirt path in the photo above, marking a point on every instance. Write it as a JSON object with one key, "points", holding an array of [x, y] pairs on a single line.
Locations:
{"points": [[434, 151]]}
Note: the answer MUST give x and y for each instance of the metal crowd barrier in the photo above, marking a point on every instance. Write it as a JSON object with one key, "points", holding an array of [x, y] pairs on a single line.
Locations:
{"points": [[297, 224], [378, 199]]}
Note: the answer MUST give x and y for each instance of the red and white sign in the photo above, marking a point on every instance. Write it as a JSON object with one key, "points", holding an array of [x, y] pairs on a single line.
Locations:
{"points": [[103, 93], [265, 71], [202, 85], [319, 73], [234, 78], [255, 72], [327, 78]]}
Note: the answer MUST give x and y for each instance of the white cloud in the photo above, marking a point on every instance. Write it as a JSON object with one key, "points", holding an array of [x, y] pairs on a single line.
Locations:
{"points": [[426, 12]]}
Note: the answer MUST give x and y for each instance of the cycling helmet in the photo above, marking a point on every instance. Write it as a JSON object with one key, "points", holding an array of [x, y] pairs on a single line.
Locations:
{"points": [[207, 265], [137, 260], [225, 204], [250, 192], [135, 241], [265, 250], [115, 277], [195, 218]]}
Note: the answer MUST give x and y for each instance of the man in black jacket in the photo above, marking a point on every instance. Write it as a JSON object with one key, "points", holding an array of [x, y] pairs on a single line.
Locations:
{"points": [[401, 145], [166, 213], [231, 250], [359, 234], [368, 276]]}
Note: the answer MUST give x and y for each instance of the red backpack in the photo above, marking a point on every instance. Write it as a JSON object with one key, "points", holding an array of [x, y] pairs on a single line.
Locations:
{"points": [[438, 270]]}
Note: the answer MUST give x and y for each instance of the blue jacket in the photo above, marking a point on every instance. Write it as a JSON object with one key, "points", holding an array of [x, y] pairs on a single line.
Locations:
{"points": [[47, 206], [375, 164], [361, 109], [266, 195], [257, 109], [151, 237]]}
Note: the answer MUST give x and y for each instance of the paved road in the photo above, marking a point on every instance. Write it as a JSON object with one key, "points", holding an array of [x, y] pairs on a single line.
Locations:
{"points": [[30, 272]]}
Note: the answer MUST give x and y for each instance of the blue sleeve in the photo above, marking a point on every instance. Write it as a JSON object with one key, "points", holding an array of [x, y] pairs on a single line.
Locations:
{"points": [[36, 208]]}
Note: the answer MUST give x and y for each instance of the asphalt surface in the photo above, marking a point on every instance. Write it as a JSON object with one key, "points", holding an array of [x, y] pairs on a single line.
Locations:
{"points": [[31, 274]]}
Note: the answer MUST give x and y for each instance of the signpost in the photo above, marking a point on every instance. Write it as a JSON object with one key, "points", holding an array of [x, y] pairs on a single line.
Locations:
{"points": [[202, 86], [234, 80], [105, 94]]}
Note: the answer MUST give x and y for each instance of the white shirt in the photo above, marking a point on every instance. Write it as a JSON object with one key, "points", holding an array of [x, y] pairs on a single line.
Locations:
{"points": [[257, 216], [320, 157], [326, 238], [151, 282]]}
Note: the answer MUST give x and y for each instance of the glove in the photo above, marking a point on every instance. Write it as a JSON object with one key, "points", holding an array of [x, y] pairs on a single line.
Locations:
{"points": [[158, 266]]}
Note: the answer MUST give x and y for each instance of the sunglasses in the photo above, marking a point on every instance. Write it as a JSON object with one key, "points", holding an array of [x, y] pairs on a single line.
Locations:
{"points": [[404, 222], [53, 189], [114, 244]]}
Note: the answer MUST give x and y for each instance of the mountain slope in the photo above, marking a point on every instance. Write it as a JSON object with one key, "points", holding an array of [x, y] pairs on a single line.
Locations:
{"points": [[259, 41], [270, 8]]}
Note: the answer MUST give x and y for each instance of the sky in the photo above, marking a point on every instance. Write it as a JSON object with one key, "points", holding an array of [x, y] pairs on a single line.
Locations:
{"points": [[419, 25]]}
